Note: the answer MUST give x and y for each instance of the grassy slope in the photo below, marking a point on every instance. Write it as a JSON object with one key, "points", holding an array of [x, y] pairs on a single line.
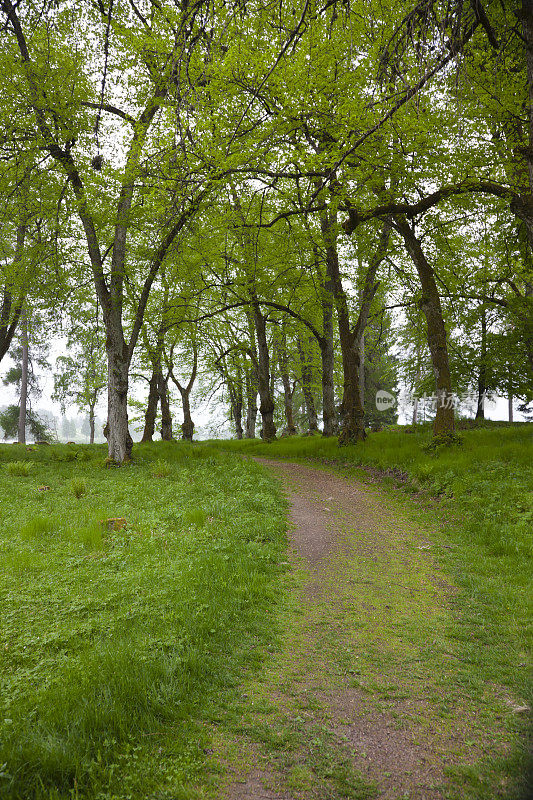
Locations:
{"points": [[115, 645], [485, 491]]}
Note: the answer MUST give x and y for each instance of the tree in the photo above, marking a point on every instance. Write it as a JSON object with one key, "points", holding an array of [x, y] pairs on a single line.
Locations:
{"points": [[29, 351], [60, 125], [267, 183], [38, 428], [11, 306], [187, 426], [81, 376]]}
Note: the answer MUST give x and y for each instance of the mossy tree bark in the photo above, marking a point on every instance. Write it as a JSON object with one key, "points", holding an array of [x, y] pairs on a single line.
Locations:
{"points": [[235, 393], [251, 401], [166, 415], [151, 407]]}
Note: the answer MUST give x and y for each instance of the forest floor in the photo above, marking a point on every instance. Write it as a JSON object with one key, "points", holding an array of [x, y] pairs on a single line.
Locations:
{"points": [[373, 692]]}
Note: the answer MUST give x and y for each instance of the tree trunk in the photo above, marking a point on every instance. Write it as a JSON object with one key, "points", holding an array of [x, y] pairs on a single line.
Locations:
{"points": [[187, 427], [430, 304], [329, 413], [283, 362], [251, 402], [9, 312], [166, 416], [307, 387], [415, 388], [327, 355], [235, 393], [510, 397], [362, 368], [352, 413], [290, 427], [151, 408], [119, 441], [352, 408], [23, 380], [266, 403], [415, 412], [482, 374], [234, 386], [526, 16], [91, 420]]}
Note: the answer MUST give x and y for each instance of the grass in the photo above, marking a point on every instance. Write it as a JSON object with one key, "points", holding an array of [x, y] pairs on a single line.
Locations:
{"points": [[488, 478], [161, 469], [117, 645], [123, 649], [19, 468], [479, 494], [78, 487]]}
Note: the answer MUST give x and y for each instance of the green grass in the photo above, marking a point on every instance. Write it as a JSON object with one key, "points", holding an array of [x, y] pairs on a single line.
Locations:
{"points": [[121, 650], [20, 468], [480, 495], [488, 479], [116, 646]]}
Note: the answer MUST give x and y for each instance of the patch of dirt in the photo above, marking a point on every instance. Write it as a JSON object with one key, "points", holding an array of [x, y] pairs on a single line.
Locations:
{"points": [[257, 785], [355, 663]]}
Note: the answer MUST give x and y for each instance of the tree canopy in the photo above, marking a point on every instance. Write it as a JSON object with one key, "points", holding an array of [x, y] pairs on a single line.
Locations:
{"points": [[297, 205]]}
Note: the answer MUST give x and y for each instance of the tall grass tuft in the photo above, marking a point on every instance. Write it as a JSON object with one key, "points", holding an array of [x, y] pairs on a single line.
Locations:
{"points": [[78, 487], [19, 468], [91, 536], [38, 526], [161, 469]]}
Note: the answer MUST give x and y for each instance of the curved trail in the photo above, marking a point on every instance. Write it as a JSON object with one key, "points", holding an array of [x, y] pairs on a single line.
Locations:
{"points": [[364, 698]]}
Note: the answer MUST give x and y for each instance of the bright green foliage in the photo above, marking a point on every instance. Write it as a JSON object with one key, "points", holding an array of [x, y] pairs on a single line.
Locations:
{"points": [[81, 375], [116, 643]]}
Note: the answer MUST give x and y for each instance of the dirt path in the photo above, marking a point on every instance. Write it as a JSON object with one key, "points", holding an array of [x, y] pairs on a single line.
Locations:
{"points": [[365, 696]]}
